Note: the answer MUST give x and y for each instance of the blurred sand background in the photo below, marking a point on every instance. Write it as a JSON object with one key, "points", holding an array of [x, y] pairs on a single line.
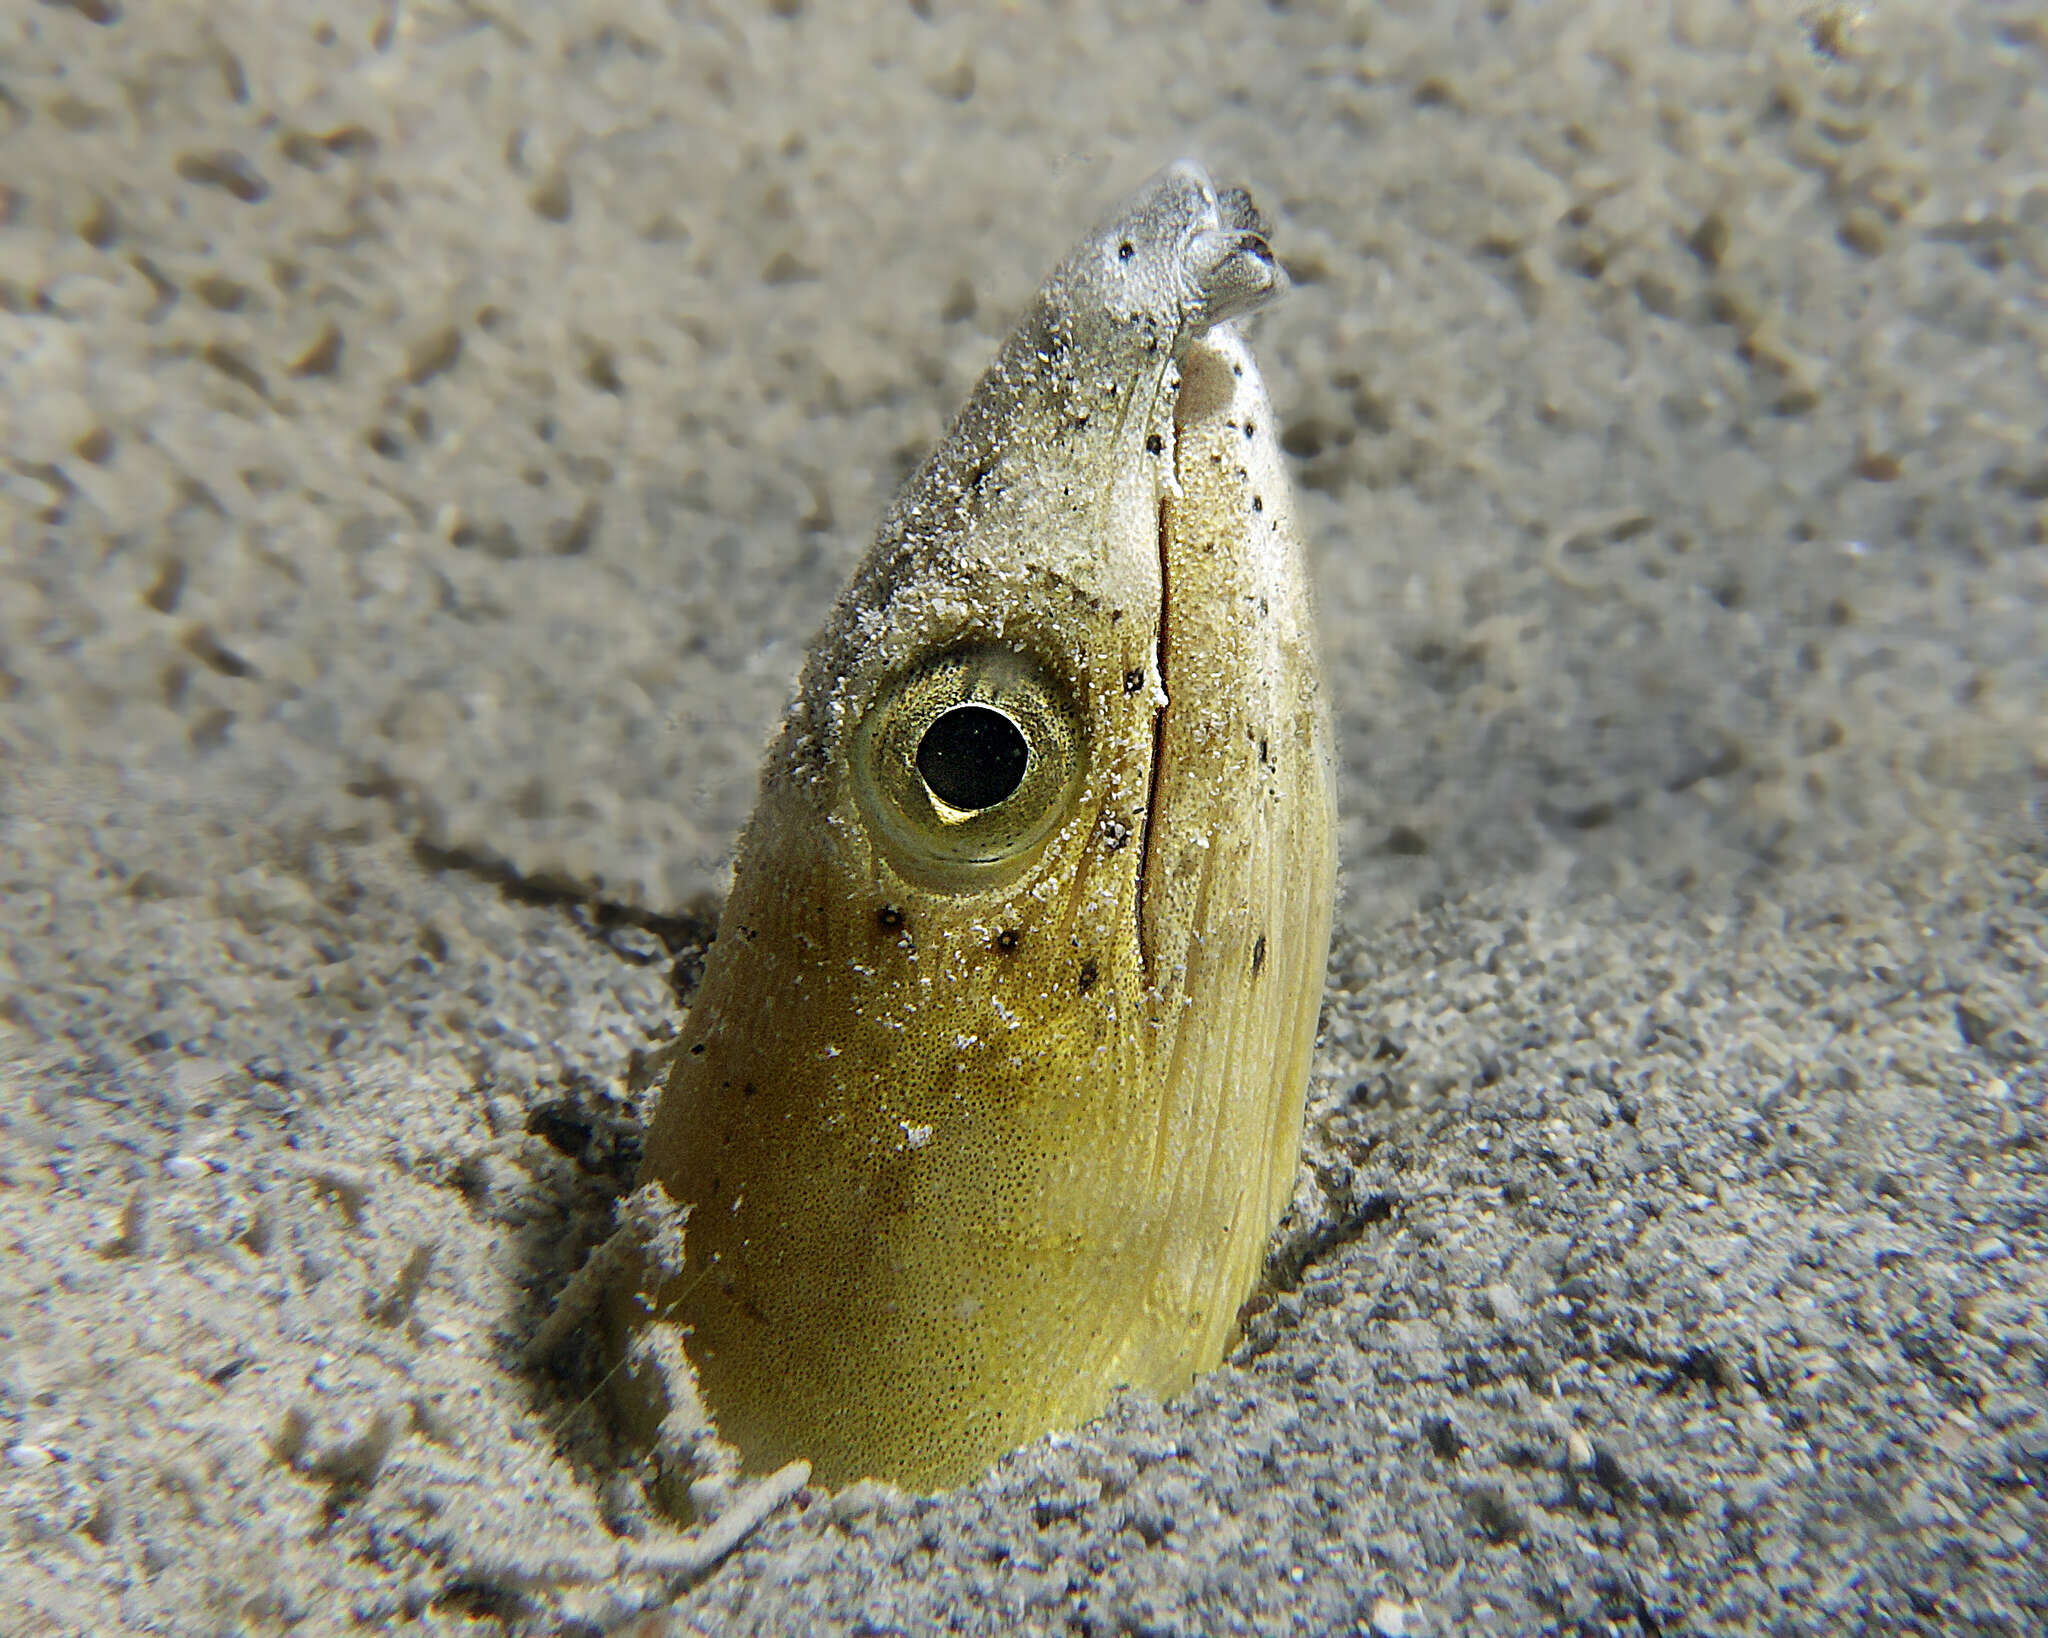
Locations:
{"points": [[429, 435]]}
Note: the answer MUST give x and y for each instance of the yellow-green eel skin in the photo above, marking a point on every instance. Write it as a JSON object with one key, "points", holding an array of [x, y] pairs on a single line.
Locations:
{"points": [[991, 1096]]}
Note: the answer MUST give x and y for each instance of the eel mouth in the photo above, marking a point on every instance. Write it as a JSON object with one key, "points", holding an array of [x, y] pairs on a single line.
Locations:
{"points": [[1205, 388], [1162, 660]]}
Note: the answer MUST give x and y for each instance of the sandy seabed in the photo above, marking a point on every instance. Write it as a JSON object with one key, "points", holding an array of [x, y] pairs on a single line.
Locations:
{"points": [[429, 434]]}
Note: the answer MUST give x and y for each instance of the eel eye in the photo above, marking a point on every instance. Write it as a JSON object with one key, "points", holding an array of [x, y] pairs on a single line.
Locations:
{"points": [[967, 764]]}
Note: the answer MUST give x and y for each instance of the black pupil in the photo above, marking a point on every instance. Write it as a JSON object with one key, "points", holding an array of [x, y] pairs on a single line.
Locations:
{"points": [[972, 757]]}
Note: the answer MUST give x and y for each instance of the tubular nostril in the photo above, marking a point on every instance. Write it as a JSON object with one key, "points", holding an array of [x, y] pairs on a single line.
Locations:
{"points": [[1235, 272]]}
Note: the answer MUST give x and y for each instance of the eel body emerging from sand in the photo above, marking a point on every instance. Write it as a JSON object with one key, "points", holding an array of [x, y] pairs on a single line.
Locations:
{"points": [[992, 1093]]}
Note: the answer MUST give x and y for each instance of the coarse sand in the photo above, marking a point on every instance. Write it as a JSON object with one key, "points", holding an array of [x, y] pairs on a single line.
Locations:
{"points": [[430, 431]]}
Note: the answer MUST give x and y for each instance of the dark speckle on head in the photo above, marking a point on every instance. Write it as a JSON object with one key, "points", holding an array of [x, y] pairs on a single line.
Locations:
{"points": [[1258, 954], [1125, 251], [1134, 679], [1089, 973], [1249, 426], [1258, 503], [1154, 444]]}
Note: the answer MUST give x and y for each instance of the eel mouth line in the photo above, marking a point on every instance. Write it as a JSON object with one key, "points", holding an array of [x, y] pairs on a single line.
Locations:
{"points": [[1160, 661], [1204, 387]]}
